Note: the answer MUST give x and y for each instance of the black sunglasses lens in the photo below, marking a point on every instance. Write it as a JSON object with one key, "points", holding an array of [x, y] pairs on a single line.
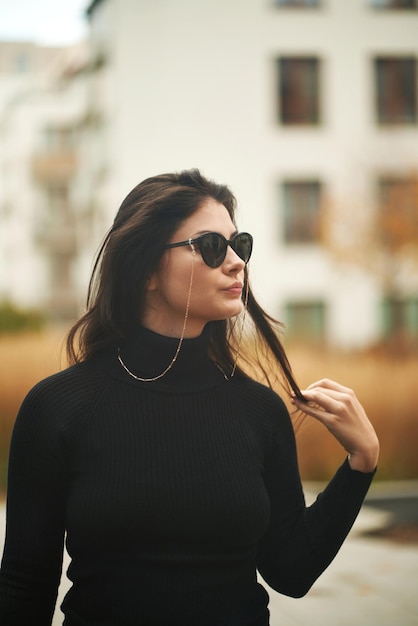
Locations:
{"points": [[242, 244], [213, 249]]}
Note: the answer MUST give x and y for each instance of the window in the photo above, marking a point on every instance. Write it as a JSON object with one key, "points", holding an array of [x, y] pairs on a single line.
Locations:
{"points": [[400, 315], [298, 87], [393, 4], [305, 320], [396, 90], [297, 3], [301, 204], [398, 212]]}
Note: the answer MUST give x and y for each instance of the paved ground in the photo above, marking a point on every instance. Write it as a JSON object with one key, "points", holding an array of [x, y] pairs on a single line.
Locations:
{"points": [[372, 582]]}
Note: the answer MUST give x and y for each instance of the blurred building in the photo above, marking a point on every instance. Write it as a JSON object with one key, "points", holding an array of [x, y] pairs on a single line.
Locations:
{"points": [[307, 109], [298, 105], [42, 108]]}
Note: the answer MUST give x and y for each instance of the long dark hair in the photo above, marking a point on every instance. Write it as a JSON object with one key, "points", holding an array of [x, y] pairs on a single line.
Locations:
{"points": [[130, 254]]}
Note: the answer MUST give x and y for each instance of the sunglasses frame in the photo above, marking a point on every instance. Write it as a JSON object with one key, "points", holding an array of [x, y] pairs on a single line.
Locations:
{"points": [[227, 242]]}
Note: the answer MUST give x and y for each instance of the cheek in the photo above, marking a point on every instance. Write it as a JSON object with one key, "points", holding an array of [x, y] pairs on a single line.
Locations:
{"points": [[174, 283], [200, 284]]}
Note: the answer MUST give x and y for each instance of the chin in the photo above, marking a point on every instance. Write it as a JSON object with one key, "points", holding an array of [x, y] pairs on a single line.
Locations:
{"points": [[230, 314]]}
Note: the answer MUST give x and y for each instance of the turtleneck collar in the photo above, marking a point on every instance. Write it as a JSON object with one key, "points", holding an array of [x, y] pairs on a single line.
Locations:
{"points": [[147, 354]]}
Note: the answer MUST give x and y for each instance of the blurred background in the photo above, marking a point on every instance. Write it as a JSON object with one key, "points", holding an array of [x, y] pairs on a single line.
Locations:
{"points": [[307, 109]]}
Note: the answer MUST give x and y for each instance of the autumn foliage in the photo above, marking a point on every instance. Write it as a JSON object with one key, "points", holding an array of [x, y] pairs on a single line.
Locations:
{"points": [[380, 237]]}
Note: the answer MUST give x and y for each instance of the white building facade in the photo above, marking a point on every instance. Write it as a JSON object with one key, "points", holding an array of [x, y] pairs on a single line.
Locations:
{"points": [[294, 104]]}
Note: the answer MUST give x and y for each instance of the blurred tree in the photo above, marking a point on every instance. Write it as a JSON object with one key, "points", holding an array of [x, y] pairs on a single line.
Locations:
{"points": [[15, 320], [383, 242]]}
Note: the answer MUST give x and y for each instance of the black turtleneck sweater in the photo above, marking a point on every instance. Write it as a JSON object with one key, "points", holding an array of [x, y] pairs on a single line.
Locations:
{"points": [[172, 494]]}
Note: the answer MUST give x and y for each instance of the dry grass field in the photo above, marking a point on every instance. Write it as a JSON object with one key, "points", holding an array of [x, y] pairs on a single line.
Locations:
{"points": [[388, 389], [24, 360]]}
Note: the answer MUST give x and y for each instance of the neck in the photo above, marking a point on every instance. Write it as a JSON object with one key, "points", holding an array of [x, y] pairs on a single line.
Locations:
{"points": [[174, 330], [148, 357]]}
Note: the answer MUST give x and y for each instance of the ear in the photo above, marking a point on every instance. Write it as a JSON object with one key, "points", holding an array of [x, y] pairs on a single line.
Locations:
{"points": [[152, 283]]}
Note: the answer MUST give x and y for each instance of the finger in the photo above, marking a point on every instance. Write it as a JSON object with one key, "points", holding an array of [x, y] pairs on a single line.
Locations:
{"points": [[313, 394], [314, 411], [337, 403], [327, 383], [339, 428]]}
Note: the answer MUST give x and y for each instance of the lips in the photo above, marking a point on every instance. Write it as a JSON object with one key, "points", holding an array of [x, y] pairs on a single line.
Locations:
{"points": [[234, 288]]}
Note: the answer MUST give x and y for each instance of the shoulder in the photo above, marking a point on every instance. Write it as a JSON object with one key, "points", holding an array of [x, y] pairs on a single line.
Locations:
{"points": [[263, 406], [258, 394], [75, 380], [65, 395]]}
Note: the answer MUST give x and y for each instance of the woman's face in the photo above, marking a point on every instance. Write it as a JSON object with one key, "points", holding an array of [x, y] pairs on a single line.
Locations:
{"points": [[215, 293]]}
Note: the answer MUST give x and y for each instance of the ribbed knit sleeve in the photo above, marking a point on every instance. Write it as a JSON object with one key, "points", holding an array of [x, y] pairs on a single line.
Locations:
{"points": [[301, 541], [36, 497]]}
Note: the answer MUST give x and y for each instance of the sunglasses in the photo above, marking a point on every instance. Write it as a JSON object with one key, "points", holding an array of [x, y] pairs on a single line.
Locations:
{"points": [[213, 247]]}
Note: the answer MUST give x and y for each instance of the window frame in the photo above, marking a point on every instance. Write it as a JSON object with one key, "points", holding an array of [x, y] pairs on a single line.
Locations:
{"points": [[385, 101], [305, 91], [311, 191], [297, 4], [386, 5], [402, 309], [396, 205], [312, 332]]}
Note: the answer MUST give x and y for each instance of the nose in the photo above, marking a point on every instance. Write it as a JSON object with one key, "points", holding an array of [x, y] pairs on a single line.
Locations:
{"points": [[233, 263]]}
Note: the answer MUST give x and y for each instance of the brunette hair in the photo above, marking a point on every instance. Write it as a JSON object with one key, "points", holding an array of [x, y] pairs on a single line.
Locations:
{"points": [[131, 252]]}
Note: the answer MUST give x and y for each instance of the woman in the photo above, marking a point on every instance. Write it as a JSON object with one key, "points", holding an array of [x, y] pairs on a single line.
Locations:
{"points": [[171, 471]]}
